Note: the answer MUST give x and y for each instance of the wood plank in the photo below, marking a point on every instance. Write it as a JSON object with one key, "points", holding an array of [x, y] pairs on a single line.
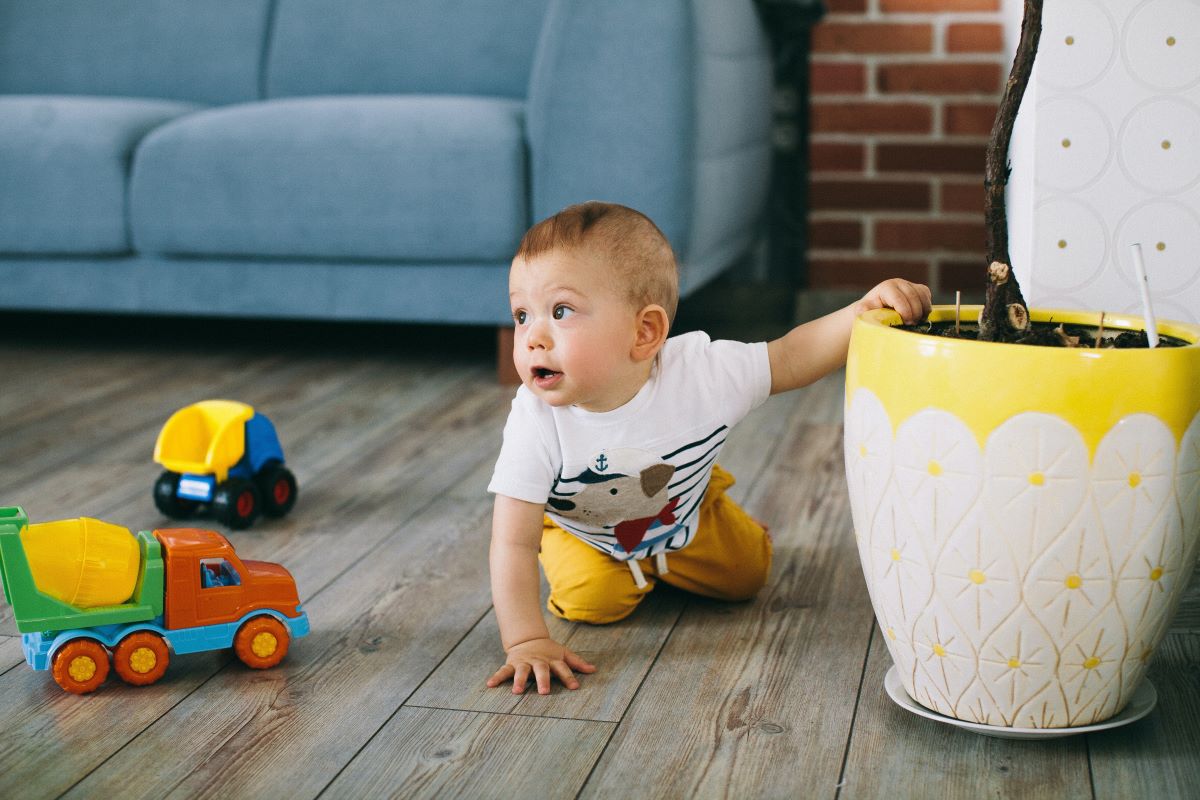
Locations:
{"points": [[11, 654], [54, 738], [40, 370], [755, 699], [1158, 756], [893, 754], [430, 753], [71, 395], [1187, 616], [126, 423], [374, 641], [622, 653], [86, 432]]}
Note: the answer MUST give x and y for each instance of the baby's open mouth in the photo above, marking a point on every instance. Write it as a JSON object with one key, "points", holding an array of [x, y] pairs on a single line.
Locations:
{"points": [[545, 378]]}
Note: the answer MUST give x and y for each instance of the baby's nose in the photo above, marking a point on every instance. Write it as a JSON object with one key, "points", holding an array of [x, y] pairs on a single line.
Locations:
{"points": [[538, 337]]}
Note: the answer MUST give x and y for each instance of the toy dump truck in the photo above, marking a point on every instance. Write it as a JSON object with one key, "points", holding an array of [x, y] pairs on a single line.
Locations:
{"points": [[222, 455], [81, 589]]}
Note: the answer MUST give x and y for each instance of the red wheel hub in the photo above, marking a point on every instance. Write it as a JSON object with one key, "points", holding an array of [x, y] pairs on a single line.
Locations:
{"points": [[245, 504], [282, 491]]}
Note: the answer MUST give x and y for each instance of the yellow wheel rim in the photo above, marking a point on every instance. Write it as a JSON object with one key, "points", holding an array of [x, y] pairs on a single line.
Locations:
{"points": [[142, 660], [265, 644], [82, 669]]}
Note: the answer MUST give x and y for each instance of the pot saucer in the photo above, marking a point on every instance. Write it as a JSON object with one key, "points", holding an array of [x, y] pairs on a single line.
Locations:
{"points": [[1142, 703]]}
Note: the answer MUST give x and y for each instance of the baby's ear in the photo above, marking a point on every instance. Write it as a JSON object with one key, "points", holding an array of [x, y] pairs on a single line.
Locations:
{"points": [[652, 327]]}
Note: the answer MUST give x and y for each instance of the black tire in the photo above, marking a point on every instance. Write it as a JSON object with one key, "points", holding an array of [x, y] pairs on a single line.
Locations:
{"points": [[237, 503], [277, 485], [167, 499]]}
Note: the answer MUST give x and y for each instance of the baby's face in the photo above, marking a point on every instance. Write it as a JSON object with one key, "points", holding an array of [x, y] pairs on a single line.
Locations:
{"points": [[575, 331]]}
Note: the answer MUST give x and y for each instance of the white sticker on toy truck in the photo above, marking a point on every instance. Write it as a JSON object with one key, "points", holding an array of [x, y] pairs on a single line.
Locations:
{"points": [[195, 489]]}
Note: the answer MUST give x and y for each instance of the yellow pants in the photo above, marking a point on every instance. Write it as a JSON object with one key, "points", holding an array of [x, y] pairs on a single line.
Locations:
{"points": [[728, 559]]}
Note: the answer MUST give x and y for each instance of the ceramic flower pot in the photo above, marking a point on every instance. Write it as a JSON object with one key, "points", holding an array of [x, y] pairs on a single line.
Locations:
{"points": [[1027, 517]]}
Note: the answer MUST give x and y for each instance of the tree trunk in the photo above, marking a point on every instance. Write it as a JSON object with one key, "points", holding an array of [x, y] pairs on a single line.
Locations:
{"points": [[1005, 314]]}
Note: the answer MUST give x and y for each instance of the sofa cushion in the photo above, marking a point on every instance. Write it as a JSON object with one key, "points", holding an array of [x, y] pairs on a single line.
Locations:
{"points": [[207, 51], [399, 178], [423, 46], [64, 162]]}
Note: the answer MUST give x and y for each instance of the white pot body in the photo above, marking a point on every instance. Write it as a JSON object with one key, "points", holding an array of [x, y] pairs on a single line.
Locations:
{"points": [[1026, 547]]}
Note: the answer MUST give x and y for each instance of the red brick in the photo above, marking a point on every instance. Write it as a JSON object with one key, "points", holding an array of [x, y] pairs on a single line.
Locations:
{"points": [[919, 157], [931, 6], [836, 157], [862, 273], [940, 78], [975, 37], [845, 6], [871, 37], [838, 78], [973, 119], [966, 276], [835, 234], [871, 118], [869, 195], [929, 235], [962, 197]]}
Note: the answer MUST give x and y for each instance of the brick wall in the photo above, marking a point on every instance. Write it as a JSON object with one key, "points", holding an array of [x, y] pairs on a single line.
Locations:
{"points": [[903, 96]]}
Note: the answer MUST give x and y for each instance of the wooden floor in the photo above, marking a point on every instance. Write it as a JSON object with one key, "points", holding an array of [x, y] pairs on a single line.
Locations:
{"points": [[393, 442]]}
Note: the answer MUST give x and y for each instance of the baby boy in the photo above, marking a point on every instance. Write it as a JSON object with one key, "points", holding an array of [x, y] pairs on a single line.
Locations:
{"points": [[608, 472]]}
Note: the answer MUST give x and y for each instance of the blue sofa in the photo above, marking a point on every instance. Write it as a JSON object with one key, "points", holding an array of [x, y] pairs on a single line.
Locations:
{"points": [[361, 159]]}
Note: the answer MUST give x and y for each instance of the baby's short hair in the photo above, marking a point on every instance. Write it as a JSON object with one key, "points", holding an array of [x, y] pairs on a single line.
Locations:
{"points": [[624, 238]]}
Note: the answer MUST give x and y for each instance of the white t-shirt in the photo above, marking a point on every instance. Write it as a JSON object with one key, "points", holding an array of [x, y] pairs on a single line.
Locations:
{"points": [[629, 481]]}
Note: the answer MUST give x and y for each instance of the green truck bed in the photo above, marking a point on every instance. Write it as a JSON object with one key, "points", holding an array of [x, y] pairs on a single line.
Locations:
{"points": [[35, 611]]}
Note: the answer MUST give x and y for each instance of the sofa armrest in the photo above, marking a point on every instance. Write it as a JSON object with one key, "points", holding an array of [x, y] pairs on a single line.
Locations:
{"points": [[663, 106]]}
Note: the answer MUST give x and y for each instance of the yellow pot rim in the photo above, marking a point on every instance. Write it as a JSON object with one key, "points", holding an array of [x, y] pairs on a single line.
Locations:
{"points": [[986, 383], [1188, 332]]}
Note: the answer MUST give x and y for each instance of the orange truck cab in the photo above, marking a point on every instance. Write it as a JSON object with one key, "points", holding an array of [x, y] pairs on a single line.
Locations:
{"points": [[207, 584], [86, 593]]}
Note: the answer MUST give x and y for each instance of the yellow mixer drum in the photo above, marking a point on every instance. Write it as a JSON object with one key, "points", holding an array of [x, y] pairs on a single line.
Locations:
{"points": [[83, 562]]}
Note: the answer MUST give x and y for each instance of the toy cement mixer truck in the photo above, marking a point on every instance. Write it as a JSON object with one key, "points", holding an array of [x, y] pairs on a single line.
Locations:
{"points": [[81, 589]]}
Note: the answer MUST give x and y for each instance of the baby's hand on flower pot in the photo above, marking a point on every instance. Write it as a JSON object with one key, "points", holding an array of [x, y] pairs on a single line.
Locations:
{"points": [[911, 301]]}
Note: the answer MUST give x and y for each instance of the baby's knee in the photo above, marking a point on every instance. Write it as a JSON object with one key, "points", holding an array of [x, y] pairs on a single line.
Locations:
{"points": [[598, 602], [744, 579], [747, 581]]}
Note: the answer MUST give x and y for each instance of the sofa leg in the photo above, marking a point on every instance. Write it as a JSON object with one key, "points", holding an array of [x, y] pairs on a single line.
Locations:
{"points": [[506, 373]]}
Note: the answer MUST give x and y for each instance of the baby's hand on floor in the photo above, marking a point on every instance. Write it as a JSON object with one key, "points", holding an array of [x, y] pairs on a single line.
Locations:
{"points": [[542, 657]]}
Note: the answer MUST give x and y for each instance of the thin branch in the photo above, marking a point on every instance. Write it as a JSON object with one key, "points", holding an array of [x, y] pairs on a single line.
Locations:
{"points": [[1002, 291]]}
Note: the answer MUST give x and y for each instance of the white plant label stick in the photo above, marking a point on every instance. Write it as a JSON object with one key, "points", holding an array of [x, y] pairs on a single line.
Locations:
{"points": [[1139, 268]]}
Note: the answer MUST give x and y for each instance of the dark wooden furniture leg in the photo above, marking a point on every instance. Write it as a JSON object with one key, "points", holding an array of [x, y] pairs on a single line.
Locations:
{"points": [[506, 373]]}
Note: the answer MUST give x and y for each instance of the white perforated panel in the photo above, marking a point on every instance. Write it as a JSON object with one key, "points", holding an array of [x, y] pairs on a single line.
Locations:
{"points": [[1116, 156]]}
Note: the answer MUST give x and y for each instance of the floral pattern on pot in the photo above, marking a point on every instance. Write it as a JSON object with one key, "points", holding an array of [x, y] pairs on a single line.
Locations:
{"points": [[1026, 582]]}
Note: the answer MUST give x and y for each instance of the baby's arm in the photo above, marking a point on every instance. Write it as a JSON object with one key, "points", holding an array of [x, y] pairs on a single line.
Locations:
{"points": [[516, 535], [814, 349]]}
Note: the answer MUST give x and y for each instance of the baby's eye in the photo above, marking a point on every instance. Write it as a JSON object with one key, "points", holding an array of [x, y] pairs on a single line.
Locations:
{"points": [[562, 312], [520, 317]]}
